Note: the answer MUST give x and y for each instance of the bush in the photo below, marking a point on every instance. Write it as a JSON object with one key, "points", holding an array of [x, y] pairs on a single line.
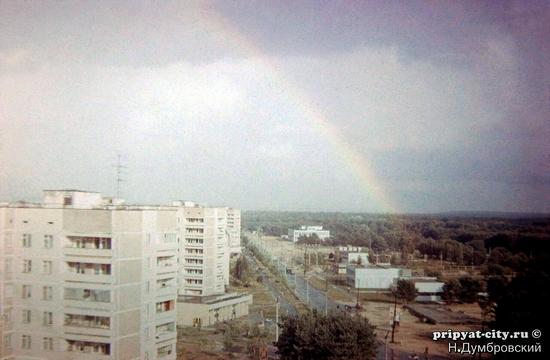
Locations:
{"points": [[334, 336]]}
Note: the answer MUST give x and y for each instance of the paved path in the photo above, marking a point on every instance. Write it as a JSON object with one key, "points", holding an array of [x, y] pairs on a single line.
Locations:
{"points": [[285, 306]]}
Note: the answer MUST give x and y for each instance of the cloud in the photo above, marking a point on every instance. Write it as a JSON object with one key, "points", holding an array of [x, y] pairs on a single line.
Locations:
{"points": [[196, 114]]}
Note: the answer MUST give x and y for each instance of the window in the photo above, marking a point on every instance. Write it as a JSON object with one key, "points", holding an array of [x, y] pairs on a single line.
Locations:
{"points": [[26, 291], [27, 240], [26, 316], [7, 315], [27, 266], [46, 267], [164, 350], [48, 241], [47, 319], [25, 342], [8, 240], [67, 200], [47, 343], [7, 265], [7, 341], [46, 293], [165, 306]]}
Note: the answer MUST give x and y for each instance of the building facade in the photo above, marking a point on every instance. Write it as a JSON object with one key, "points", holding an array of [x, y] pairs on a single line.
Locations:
{"points": [[234, 230], [86, 277], [295, 234], [204, 251], [373, 277]]}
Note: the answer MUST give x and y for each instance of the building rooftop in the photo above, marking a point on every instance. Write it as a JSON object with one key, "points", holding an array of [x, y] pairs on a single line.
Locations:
{"points": [[72, 190], [212, 299]]}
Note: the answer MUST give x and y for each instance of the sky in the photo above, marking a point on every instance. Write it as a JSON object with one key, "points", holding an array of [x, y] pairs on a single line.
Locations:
{"points": [[375, 106]]}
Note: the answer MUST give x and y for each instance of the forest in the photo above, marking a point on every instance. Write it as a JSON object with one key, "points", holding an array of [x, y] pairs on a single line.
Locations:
{"points": [[504, 243]]}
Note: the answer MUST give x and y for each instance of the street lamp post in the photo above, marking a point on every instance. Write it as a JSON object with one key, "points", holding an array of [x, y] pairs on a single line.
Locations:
{"points": [[277, 320], [394, 317]]}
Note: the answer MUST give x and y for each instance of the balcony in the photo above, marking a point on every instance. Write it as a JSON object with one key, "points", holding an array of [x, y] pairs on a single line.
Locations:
{"points": [[194, 245], [166, 291], [89, 350], [87, 325], [193, 264], [88, 272], [166, 264], [88, 246], [88, 299], [88, 278], [87, 331], [75, 251], [165, 331]]}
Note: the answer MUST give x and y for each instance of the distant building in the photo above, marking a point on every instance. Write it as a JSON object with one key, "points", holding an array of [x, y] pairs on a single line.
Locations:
{"points": [[349, 248], [341, 268], [429, 289], [295, 234], [373, 277], [234, 230], [207, 311], [352, 254], [361, 258]]}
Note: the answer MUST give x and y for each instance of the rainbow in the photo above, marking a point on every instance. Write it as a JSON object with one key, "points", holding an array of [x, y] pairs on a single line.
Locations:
{"points": [[358, 163]]}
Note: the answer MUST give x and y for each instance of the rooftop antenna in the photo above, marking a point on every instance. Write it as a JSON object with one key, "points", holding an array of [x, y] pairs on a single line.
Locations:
{"points": [[119, 168]]}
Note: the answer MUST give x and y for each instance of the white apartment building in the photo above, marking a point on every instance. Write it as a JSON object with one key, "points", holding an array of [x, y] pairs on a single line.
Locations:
{"points": [[88, 277], [81, 279], [234, 230], [204, 251], [295, 234]]}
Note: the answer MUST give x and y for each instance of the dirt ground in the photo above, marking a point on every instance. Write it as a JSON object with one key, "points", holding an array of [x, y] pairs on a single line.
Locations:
{"points": [[412, 335]]}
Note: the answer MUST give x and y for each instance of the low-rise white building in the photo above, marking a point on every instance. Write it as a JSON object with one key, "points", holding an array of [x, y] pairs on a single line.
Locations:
{"points": [[295, 234], [209, 310], [429, 289], [373, 277], [361, 258]]}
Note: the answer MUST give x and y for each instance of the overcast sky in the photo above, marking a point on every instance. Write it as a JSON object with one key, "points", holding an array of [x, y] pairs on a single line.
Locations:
{"points": [[448, 103]]}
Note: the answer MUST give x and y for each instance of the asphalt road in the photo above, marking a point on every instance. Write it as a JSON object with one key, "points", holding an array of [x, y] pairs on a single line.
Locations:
{"points": [[284, 306]]}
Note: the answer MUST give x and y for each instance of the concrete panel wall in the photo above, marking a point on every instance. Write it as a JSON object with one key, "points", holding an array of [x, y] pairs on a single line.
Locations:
{"points": [[129, 245], [83, 221], [129, 271], [129, 322], [128, 348], [126, 221]]}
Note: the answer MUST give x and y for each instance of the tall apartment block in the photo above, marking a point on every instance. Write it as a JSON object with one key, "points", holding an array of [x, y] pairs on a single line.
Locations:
{"points": [[234, 230], [82, 277], [204, 251]]}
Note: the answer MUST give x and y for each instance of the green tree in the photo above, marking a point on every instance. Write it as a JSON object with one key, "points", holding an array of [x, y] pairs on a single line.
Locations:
{"points": [[228, 336], [241, 268], [334, 336], [405, 290], [451, 290], [469, 288]]}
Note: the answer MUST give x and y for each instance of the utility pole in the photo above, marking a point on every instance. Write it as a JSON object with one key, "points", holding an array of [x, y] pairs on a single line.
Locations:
{"points": [[394, 317], [326, 303], [307, 291], [277, 320], [305, 260]]}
